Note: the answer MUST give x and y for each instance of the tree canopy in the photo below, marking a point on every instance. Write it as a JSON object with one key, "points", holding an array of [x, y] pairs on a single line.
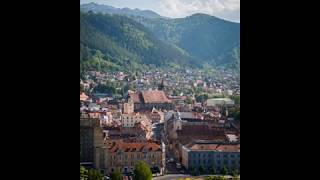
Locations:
{"points": [[142, 171]]}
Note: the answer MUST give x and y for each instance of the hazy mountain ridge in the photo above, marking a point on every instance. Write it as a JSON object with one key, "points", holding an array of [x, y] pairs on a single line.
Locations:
{"points": [[194, 41], [206, 37], [122, 11]]}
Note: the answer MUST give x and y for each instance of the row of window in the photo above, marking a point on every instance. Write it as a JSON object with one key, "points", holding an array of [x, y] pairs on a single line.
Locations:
{"points": [[132, 163], [135, 156], [216, 155], [217, 168], [132, 118], [215, 162]]}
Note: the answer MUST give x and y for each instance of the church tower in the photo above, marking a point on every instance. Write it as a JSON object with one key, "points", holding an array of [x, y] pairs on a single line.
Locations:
{"points": [[128, 107], [161, 86]]}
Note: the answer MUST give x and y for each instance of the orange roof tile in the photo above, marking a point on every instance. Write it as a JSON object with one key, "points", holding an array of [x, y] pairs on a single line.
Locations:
{"points": [[134, 147], [83, 97], [216, 147], [155, 97]]}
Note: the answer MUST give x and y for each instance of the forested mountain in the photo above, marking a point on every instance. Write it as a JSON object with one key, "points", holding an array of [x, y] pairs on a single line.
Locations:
{"points": [[121, 11], [112, 42], [206, 37], [115, 42]]}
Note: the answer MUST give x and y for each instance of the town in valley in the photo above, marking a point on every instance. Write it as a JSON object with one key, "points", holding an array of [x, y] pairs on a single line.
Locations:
{"points": [[180, 123], [159, 90]]}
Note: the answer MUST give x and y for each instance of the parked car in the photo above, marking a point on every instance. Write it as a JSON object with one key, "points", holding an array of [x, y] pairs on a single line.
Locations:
{"points": [[178, 165], [170, 160]]}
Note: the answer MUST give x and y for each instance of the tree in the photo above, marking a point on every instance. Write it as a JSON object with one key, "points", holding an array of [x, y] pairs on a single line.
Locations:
{"points": [[189, 100], [81, 88], [235, 174], [202, 98], [201, 169], [213, 170], [175, 93], [94, 175], [83, 173], [116, 175], [142, 171], [236, 99], [224, 170], [193, 171], [215, 178]]}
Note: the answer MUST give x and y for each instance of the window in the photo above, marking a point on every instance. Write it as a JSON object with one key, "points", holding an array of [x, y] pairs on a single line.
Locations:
{"points": [[225, 162], [218, 155], [233, 162], [232, 155], [225, 156], [219, 162]]}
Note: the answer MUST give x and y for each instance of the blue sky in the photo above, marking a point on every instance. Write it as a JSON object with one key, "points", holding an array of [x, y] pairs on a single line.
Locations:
{"points": [[226, 9]]}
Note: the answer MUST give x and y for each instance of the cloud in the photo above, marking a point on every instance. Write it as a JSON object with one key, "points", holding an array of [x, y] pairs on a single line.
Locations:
{"points": [[182, 8]]}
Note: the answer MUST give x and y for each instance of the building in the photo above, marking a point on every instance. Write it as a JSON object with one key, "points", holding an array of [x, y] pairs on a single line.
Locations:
{"points": [[210, 154], [92, 148], [156, 116], [219, 102], [129, 120], [83, 97], [157, 131], [128, 108], [124, 155], [147, 100]]}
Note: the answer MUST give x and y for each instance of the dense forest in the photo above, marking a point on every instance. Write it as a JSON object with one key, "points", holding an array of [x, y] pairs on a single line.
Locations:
{"points": [[115, 42], [111, 42], [208, 38]]}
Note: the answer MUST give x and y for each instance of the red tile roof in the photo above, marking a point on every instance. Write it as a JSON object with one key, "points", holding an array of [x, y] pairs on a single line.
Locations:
{"points": [[83, 97], [135, 97], [215, 147], [155, 97], [134, 147], [200, 132]]}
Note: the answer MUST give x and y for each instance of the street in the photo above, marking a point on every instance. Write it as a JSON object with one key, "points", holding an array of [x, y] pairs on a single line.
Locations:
{"points": [[177, 176], [171, 177]]}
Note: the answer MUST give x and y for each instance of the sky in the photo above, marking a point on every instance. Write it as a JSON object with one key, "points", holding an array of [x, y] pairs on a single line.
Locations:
{"points": [[226, 9]]}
